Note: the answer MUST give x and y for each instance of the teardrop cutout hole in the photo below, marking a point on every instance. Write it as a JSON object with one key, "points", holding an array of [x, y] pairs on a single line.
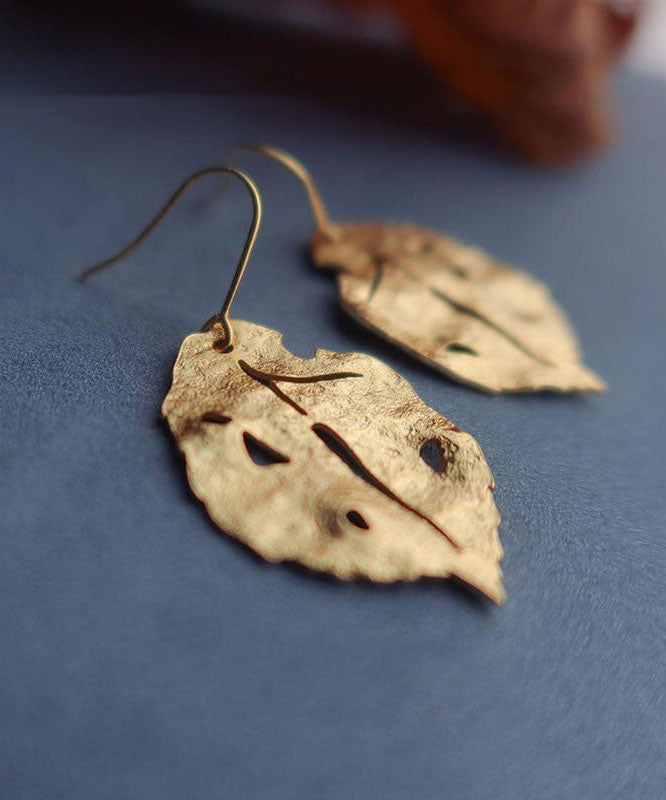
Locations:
{"points": [[357, 519], [431, 452], [262, 454]]}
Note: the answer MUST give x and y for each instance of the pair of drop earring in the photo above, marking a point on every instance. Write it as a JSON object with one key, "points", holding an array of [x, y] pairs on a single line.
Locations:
{"points": [[334, 461]]}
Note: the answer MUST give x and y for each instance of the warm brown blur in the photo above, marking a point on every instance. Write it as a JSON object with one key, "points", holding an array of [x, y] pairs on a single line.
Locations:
{"points": [[537, 68]]}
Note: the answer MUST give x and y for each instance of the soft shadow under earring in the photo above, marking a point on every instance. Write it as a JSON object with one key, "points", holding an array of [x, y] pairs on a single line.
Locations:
{"points": [[332, 461], [449, 305]]}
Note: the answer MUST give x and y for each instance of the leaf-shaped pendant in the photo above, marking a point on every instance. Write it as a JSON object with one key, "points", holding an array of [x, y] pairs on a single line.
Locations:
{"points": [[333, 462], [455, 308]]}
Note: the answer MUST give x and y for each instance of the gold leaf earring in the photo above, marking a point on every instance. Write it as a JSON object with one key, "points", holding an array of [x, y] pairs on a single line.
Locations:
{"points": [[332, 461], [449, 305]]}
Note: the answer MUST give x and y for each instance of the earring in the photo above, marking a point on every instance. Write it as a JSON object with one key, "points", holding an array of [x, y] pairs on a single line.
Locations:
{"points": [[332, 461], [449, 305]]}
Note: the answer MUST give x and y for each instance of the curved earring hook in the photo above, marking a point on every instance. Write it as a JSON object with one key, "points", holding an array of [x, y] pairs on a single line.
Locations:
{"points": [[322, 219], [223, 317]]}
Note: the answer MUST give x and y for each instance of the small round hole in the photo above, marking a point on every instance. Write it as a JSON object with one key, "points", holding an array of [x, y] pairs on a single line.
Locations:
{"points": [[431, 453], [221, 346]]}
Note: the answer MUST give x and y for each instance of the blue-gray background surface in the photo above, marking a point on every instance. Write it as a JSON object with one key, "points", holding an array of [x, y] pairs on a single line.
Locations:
{"points": [[143, 654]]}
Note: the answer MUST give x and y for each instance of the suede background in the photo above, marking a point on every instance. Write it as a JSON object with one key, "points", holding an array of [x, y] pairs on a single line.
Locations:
{"points": [[143, 654]]}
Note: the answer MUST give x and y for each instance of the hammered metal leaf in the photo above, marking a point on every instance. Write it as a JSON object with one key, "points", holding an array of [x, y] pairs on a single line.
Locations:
{"points": [[455, 308], [333, 462]]}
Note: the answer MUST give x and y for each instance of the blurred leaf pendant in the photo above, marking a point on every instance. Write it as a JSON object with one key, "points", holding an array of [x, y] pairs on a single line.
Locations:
{"points": [[455, 308], [451, 306], [333, 462]]}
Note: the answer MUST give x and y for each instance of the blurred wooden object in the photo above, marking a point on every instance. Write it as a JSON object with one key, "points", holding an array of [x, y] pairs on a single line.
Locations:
{"points": [[536, 68]]}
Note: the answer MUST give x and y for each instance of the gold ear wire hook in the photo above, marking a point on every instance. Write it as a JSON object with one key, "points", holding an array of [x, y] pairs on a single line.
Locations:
{"points": [[322, 219], [223, 317]]}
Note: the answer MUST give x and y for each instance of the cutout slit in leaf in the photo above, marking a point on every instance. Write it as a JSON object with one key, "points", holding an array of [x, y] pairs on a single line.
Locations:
{"points": [[357, 519], [379, 274], [456, 347], [474, 314], [262, 454], [525, 317], [336, 444], [214, 417], [266, 377]]}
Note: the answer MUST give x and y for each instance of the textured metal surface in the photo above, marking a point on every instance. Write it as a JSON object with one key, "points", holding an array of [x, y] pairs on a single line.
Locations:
{"points": [[337, 481]]}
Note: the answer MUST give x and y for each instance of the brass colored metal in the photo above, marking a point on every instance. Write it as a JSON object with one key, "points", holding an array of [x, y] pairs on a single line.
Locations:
{"points": [[449, 305], [322, 220], [324, 461], [226, 334], [332, 461], [455, 308]]}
